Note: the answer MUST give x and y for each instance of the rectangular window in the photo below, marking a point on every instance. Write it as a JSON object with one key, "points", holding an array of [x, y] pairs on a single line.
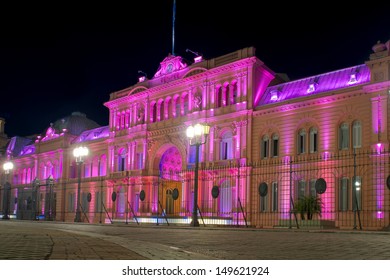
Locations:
{"points": [[84, 203], [313, 187], [121, 163], [264, 203], [224, 150], [98, 202], [301, 189], [343, 194], [71, 202], [275, 196]]}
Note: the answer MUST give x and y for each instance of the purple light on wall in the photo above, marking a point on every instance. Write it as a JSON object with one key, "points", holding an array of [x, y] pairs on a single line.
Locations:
{"points": [[311, 88], [325, 82], [93, 134], [353, 79], [326, 155], [380, 193], [274, 95], [378, 148]]}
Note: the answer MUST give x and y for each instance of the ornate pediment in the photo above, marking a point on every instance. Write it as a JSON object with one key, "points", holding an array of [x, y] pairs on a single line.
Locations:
{"points": [[169, 65]]}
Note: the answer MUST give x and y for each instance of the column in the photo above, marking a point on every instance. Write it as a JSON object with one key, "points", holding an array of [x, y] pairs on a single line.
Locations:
{"points": [[205, 101], [129, 156], [239, 88], [190, 99], [112, 159]]}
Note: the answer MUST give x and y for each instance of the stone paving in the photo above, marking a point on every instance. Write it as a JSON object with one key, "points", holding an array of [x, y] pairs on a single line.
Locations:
{"points": [[21, 241], [31, 240]]}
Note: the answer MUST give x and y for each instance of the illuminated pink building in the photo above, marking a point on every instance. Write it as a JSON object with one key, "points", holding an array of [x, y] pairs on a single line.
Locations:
{"points": [[272, 141]]}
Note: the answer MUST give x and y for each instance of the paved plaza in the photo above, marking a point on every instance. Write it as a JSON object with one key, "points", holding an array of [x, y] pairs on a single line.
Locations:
{"points": [[41, 240]]}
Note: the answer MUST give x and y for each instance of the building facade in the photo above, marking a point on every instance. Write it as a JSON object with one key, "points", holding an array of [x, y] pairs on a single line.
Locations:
{"points": [[272, 144]]}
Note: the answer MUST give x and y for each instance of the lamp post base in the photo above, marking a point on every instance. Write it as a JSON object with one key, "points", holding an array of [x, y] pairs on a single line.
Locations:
{"points": [[194, 223], [77, 219]]}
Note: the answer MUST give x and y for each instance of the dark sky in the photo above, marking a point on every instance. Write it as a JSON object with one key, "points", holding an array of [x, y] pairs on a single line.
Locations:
{"points": [[58, 59]]}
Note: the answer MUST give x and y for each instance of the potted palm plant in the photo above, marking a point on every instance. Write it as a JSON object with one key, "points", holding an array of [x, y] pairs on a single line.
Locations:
{"points": [[307, 206]]}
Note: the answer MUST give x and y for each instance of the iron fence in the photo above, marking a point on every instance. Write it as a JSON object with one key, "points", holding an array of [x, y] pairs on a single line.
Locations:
{"points": [[352, 188]]}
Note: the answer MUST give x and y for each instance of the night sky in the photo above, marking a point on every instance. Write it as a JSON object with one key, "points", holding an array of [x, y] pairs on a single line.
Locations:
{"points": [[55, 60]]}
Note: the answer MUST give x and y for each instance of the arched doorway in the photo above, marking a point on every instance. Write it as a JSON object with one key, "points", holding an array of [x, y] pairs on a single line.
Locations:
{"points": [[170, 178]]}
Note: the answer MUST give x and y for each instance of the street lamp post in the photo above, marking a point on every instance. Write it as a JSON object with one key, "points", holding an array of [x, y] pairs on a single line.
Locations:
{"points": [[79, 153], [7, 166], [197, 136]]}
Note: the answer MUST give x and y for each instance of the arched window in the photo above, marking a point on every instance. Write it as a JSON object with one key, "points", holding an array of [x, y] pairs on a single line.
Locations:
{"points": [[344, 136], [219, 97], [169, 112], [302, 141], [123, 119], [357, 134], [161, 108], [154, 112], [275, 145], [29, 175], [122, 160], [186, 104], [313, 140], [226, 146], [24, 176], [127, 118], [264, 147], [118, 121], [233, 96], [177, 107], [95, 166]]}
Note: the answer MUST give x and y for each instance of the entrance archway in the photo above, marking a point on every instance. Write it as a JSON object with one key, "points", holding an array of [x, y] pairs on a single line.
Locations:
{"points": [[170, 176]]}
